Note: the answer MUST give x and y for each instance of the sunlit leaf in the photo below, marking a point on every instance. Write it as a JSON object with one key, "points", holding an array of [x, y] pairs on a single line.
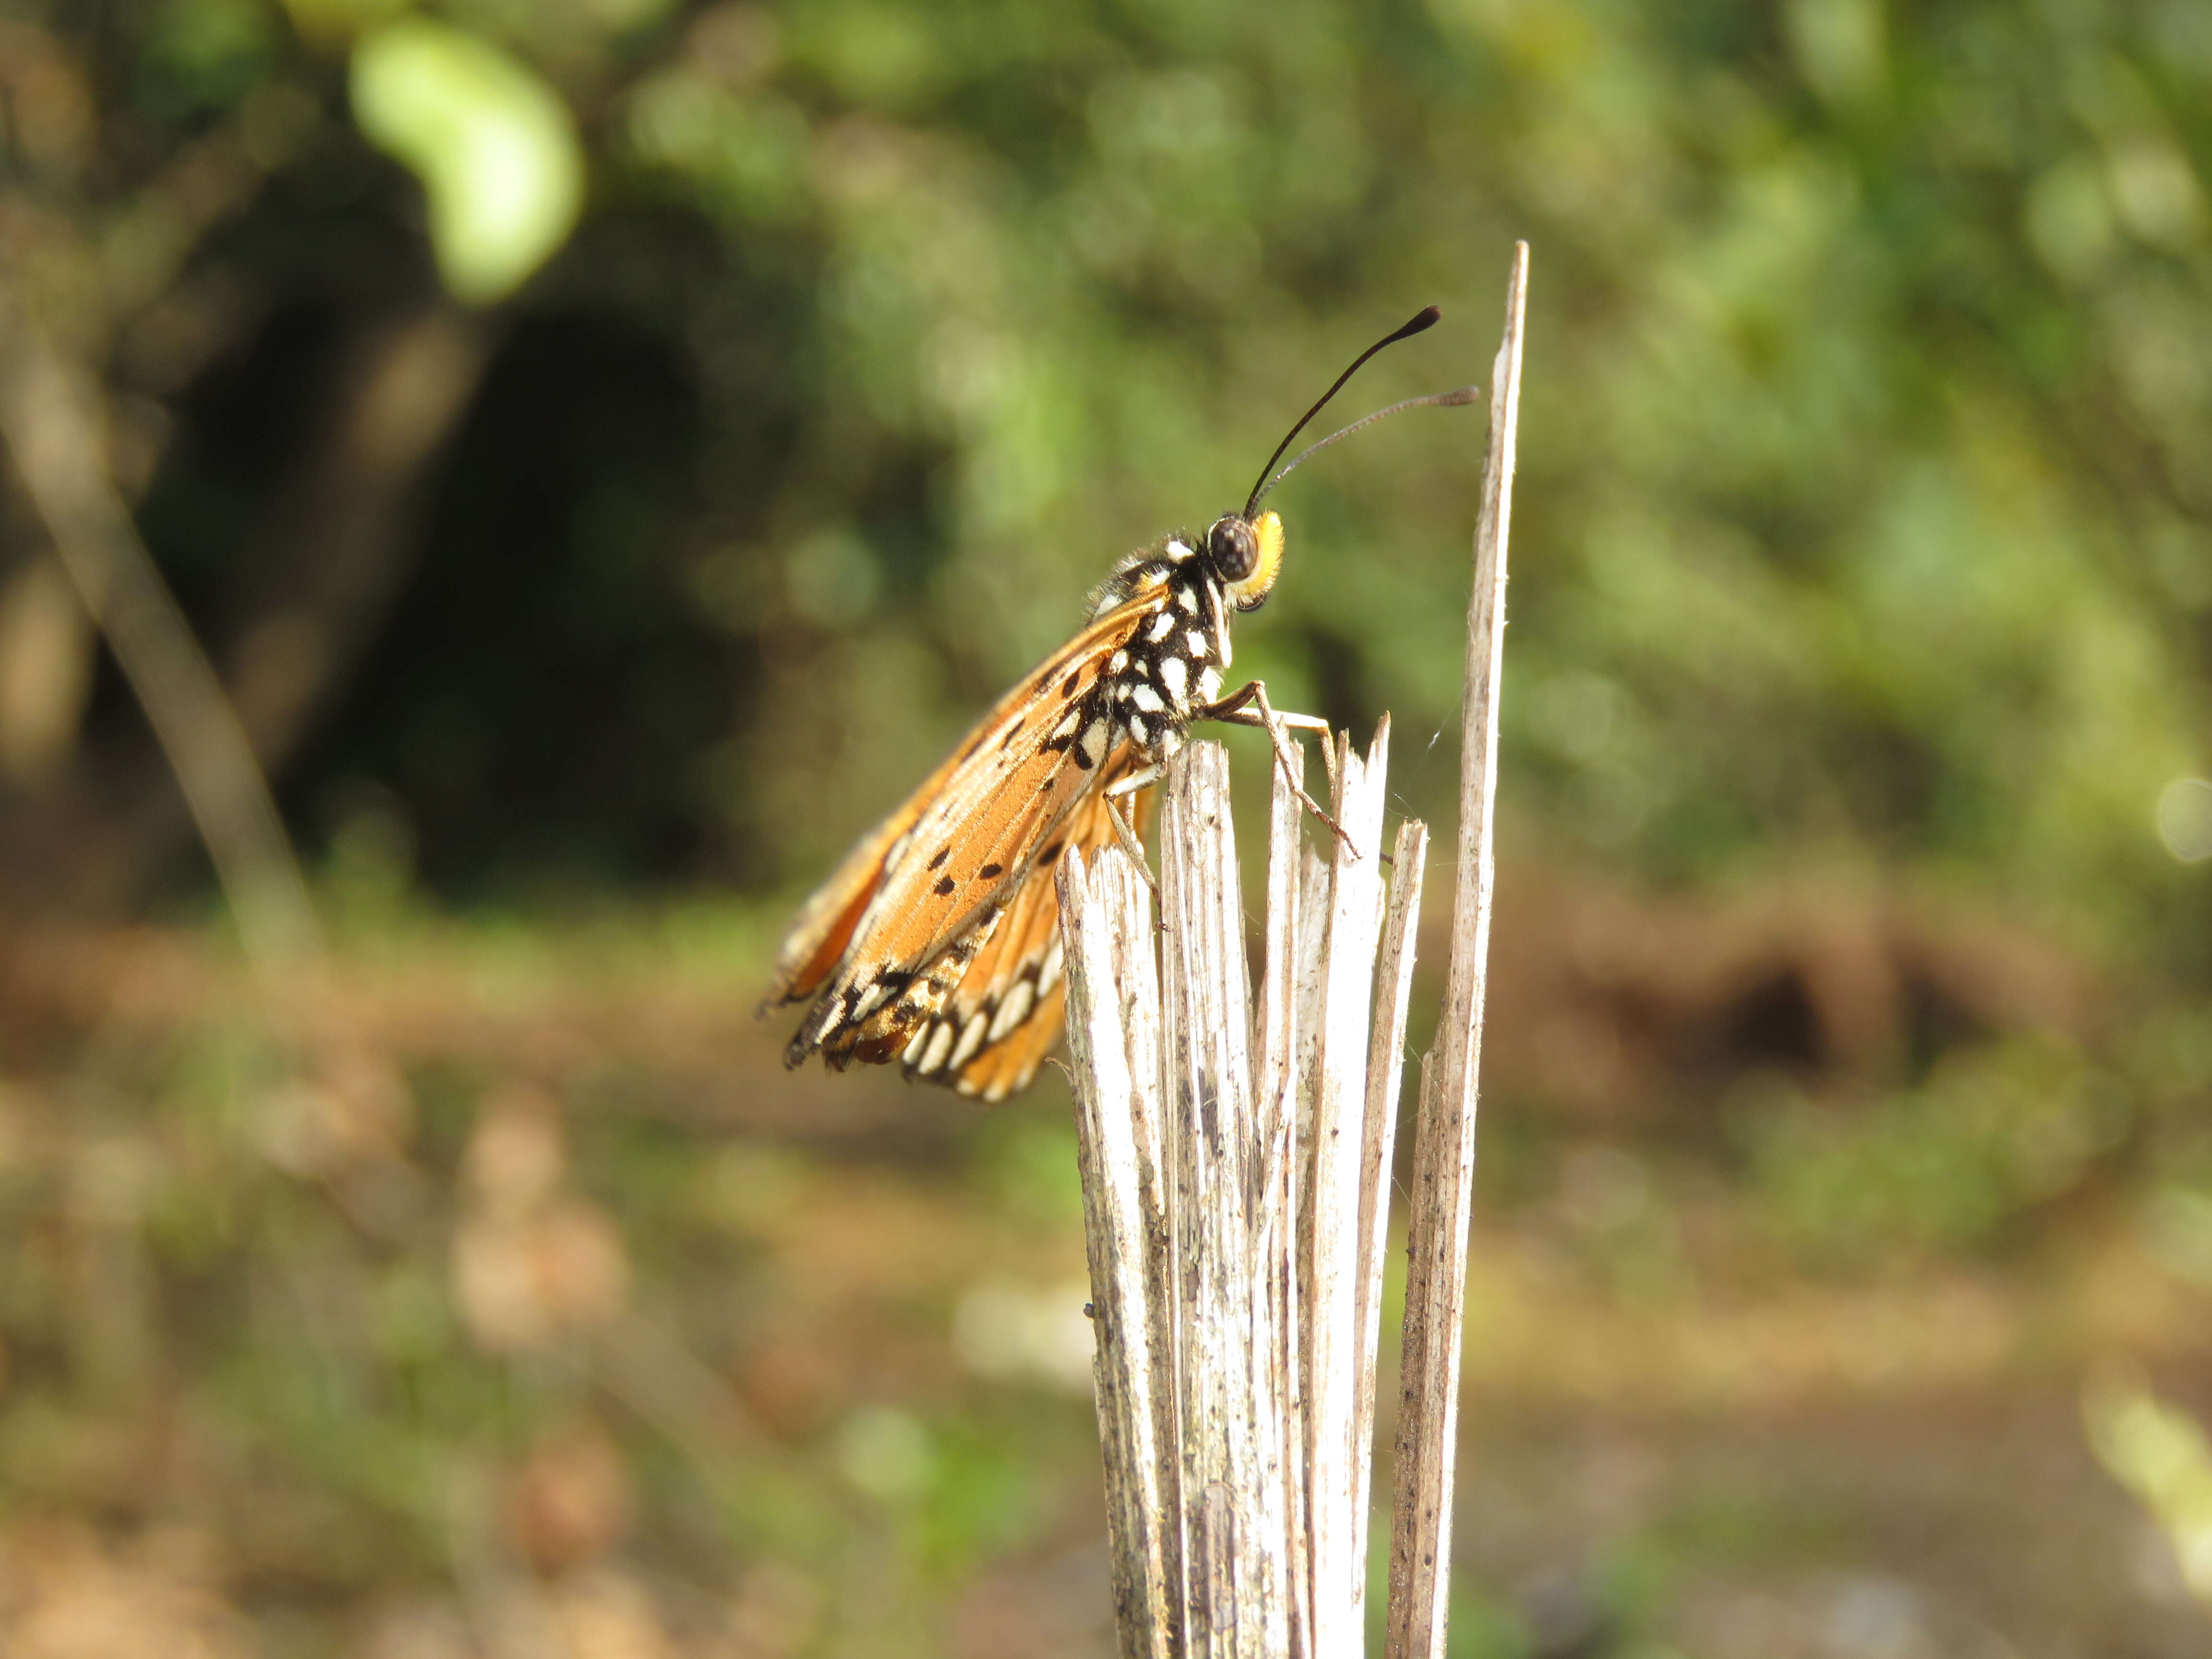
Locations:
{"points": [[494, 147]]}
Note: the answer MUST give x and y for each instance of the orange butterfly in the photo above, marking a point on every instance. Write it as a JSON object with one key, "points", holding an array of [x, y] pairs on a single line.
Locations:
{"points": [[937, 942]]}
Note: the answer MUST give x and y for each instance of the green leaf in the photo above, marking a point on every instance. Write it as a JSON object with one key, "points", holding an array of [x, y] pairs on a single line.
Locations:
{"points": [[494, 147]]}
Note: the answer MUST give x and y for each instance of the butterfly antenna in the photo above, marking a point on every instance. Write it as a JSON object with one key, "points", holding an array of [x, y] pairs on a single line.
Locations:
{"points": [[1427, 318], [1452, 400]]}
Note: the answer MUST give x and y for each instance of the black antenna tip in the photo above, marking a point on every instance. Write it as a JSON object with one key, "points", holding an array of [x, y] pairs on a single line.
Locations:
{"points": [[1426, 317]]}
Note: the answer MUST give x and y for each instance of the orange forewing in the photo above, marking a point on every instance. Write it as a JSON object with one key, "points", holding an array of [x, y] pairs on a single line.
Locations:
{"points": [[817, 941], [910, 914]]}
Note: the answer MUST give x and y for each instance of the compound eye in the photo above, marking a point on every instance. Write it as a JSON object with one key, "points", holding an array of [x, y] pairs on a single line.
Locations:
{"points": [[1234, 547]]}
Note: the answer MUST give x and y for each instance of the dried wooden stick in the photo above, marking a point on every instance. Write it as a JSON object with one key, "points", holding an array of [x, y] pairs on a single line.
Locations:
{"points": [[1386, 1070], [1336, 1467], [1229, 1166], [1443, 1149], [1231, 1392], [1284, 1063], [1118, 1140]]}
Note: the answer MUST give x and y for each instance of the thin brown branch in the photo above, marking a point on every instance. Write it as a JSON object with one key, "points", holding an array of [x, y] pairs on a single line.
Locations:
{"points": [[401, 391], [46, 420]]}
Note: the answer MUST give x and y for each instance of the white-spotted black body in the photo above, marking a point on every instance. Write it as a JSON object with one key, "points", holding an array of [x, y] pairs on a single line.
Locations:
{"points": [[1172, 665]]}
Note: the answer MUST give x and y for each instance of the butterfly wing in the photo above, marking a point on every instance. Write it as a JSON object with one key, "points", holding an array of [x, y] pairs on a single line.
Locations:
{"points": [[818, 939], [883, 944], [994, 1029]]}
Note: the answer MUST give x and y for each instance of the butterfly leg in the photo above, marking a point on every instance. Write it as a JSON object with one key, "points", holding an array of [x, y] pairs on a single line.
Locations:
{"points": [[1249, 707], [1123, 832]]}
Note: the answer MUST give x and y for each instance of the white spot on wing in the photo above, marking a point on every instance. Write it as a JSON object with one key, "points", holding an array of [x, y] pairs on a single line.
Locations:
{"points": [[1209, 684], [1094, 739], [1118, 662], [1162, 625], [1066, 727], [1048, 976], [1139, 731], [1198, 648], [1014, 1011], [1187, 600], [971, 1039], [1177, 551], [940, 1043], [1175, 674], [1146, 699]]}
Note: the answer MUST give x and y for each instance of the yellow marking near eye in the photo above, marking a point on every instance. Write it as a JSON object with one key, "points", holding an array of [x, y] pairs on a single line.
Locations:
{"points": [[1248, 593]]}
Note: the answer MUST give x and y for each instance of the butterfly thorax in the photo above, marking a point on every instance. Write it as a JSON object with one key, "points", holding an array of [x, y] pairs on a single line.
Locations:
{"points": [[1173, 658]]}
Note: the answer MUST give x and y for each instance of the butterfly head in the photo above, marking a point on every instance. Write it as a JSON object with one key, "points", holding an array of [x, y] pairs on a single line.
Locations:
{"points": [[1246, 554]]}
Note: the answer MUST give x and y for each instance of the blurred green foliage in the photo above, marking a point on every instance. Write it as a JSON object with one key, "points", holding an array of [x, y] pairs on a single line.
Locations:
{"points": [[1868, 411]]}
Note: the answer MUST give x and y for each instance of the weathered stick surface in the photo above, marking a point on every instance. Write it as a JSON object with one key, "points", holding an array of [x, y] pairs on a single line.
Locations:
{"points": [[1230, 1169], [1443, 1149], [1336, 1467], [1118, 1143], [1386, 1070], [1233, 1420]]}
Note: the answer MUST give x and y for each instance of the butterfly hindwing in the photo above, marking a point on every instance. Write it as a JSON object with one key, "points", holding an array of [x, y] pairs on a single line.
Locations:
{"points": [[992, 1031]]}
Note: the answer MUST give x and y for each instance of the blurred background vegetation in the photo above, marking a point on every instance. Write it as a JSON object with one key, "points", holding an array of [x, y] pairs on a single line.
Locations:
{"points": [[607, 449]]}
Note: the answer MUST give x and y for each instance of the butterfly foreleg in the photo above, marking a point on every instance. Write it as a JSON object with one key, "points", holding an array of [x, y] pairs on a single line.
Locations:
{"points": [[1249, 707], [1123, 832]]}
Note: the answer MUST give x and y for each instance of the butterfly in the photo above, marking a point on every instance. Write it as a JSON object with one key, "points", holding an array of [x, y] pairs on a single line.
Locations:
{"points": [[936, 943]]}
